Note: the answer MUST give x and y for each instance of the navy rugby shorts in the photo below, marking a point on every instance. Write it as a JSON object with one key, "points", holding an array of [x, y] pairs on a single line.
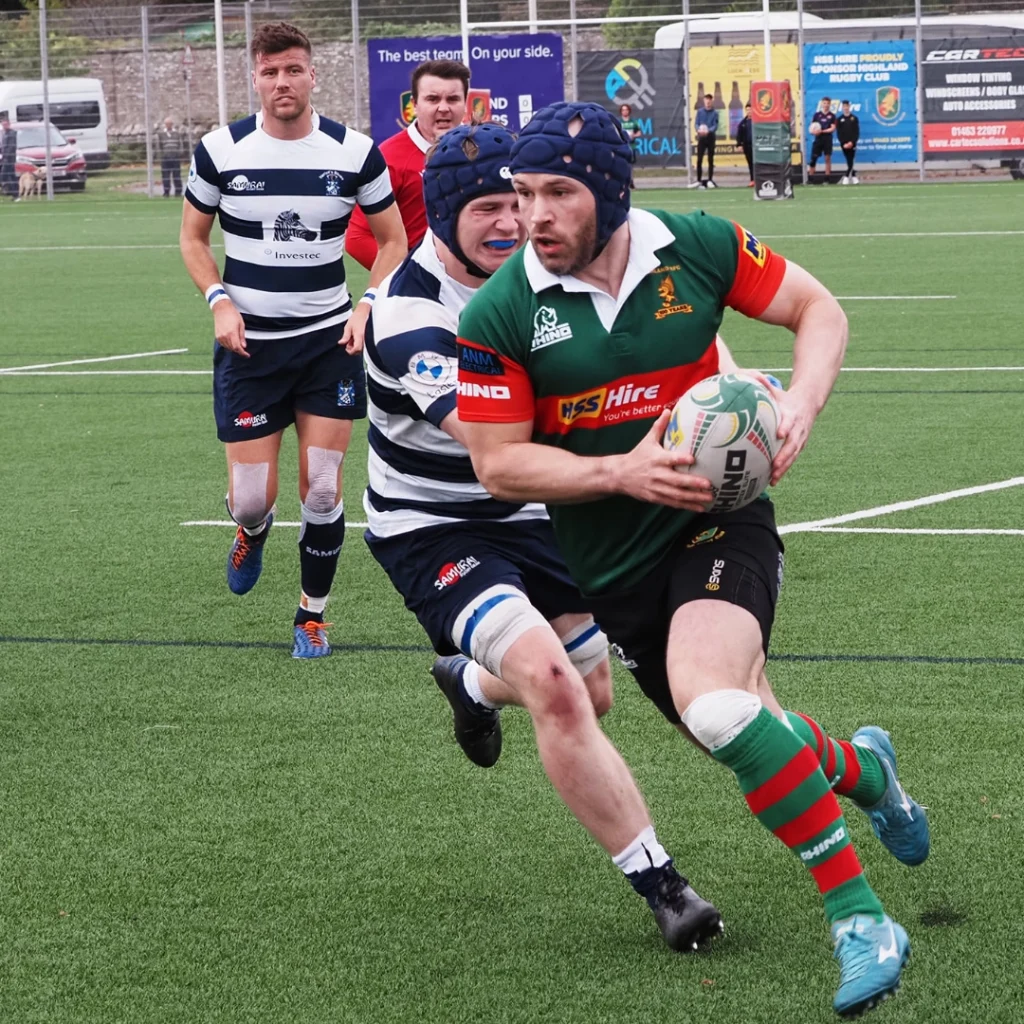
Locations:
{"points": [[260, 395]]}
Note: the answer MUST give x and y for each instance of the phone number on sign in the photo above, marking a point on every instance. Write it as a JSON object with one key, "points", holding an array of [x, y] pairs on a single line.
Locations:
{"points": [[1004, 135]]}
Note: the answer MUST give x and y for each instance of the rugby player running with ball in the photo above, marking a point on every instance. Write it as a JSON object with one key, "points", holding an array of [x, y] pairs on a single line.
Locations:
{"points": [[589, 334]]}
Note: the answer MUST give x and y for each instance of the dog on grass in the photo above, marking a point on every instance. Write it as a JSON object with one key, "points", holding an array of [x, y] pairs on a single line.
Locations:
{"points": [[31, 181]]}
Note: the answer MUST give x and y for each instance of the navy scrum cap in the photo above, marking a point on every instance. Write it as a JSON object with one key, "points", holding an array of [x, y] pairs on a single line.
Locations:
{"points": [[469, 161], [600, 156]]}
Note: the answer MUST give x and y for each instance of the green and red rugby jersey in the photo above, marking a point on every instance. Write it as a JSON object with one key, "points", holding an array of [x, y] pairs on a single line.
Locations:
{"points": [[593, 373]]}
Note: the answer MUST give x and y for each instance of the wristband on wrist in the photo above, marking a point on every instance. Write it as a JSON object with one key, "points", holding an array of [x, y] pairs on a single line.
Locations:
{"points": [[369, 297], [215, 293]]}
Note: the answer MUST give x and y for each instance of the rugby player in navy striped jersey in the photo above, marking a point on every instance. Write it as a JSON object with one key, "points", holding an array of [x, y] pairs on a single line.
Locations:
{"points": [[288, 342]]}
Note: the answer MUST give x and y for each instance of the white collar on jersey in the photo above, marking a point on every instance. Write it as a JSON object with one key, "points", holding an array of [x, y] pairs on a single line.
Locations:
{"points": [[421, 143], [647, 235], [315, 129]]}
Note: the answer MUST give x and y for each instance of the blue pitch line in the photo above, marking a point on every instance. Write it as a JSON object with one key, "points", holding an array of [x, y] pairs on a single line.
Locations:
{"points": [[909, 659]]}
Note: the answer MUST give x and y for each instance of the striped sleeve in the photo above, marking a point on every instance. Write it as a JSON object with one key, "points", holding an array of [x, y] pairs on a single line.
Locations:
{"points": [[374, 190], [203, 190]]}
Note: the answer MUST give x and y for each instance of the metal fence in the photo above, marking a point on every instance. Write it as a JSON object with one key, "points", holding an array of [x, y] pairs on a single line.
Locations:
{"points": [[161, 61]]}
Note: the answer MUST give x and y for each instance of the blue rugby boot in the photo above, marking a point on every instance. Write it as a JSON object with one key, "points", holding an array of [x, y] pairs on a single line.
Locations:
{"points": [[898, 821], [871, 957], [311, 639], [245, 560]]}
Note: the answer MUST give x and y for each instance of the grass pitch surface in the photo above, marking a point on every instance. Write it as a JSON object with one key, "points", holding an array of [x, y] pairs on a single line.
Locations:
{"points": [[197, 828]]}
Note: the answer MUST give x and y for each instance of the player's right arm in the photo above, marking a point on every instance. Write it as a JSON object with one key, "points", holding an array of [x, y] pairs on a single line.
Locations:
{"points": [[202, 197]]}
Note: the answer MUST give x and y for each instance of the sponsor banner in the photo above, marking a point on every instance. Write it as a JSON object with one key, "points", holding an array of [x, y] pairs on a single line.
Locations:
{"points": [[650, 82], [973, 98], [728, 72], [513, 75], [880, 80]]}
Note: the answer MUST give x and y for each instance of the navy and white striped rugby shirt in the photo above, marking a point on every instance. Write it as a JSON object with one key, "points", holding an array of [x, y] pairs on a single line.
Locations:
{"points": [[284, 206]]}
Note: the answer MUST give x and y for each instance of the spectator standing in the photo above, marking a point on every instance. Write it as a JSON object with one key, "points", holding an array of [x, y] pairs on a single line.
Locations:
{"points": [[8, 159], [745, 140], [822, 145], [630, 127], [172, 147], [848, 133], [707, 126]]}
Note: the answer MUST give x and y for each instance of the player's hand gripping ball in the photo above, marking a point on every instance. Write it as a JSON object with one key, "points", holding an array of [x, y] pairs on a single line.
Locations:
{"points": [[702, 129], [728, 423], [815, 128]]}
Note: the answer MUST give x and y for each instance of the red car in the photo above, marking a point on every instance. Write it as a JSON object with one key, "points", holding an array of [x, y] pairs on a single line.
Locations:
{"points": [[66, 158]]}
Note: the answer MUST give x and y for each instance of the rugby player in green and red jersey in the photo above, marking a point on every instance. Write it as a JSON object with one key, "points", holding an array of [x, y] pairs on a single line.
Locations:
{"points": [[571, 357]]}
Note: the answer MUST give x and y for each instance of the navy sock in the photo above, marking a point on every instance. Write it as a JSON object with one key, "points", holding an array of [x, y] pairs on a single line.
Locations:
{"points": [[320, 541]]}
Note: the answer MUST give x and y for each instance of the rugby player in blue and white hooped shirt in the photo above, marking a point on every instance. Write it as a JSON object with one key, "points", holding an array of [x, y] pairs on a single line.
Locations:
{"points": [[484, 577], [289, 345]]}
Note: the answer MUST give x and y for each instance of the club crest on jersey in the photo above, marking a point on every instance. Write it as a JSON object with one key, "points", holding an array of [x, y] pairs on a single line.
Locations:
{"points": [[667, 291], [289, 225], [332, 182], [547, 330], [756, 250]]}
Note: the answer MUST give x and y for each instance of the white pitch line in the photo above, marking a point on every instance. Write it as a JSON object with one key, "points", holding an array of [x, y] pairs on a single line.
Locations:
{"points": [[99, 359], [901, 506], [277, 522], [107, 373], [90, 248], [893, 235], [908, 369], [891, 298], [918, 532]]}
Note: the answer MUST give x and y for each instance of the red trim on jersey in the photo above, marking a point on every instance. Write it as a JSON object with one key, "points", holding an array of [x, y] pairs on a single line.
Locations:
{"points": [[494, 397], [405, 162], [838, 869], [638, 396], [798, 769], [759, 273]]}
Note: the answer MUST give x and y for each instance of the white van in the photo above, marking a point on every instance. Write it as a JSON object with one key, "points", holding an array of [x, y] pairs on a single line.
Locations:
{"points": [[77, 108]]}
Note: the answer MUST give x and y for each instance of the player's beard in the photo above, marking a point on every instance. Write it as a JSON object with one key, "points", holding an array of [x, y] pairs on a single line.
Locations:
{"points": [[577, 256]]}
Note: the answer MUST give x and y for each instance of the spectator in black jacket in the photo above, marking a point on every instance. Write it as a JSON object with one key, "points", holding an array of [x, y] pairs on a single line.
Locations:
{"points": [[848, 132], [745, 140]]}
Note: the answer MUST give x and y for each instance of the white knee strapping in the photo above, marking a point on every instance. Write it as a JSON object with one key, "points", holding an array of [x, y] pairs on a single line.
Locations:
{"points": [[717, 718], [492, 622], [586, 645], [248, 501], [322, 465]]}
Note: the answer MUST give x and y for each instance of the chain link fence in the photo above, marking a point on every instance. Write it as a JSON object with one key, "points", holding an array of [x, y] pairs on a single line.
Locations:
{"points": [[160, 61]]}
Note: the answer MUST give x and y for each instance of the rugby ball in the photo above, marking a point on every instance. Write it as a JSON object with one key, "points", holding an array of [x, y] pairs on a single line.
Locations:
{"points": [[729, 424], [702, 129], [815, 128]]}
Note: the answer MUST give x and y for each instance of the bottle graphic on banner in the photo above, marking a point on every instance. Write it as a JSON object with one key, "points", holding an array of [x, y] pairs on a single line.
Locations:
{"points": [[719, 105], [735, 110], [699, 102]]}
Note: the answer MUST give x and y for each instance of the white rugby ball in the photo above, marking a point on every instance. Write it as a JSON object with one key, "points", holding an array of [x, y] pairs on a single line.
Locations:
{"points": [[702, 129], [729, 424], [815, 128]]}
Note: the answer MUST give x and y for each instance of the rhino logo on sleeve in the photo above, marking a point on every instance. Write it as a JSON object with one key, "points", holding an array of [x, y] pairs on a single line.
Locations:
{"points": [[289, 225]]}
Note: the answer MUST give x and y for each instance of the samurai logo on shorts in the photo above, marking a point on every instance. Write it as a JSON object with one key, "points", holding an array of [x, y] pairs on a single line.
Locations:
{"points": [[346, 392], [246, 420], [451, 573]]}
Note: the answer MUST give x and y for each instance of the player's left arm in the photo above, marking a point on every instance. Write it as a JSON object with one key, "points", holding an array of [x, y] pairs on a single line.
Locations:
{"points": [[804, 305], [767, 287], [377, 201]]}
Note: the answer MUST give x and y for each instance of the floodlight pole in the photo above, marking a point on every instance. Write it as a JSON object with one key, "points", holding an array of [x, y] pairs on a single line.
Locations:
{"points": [[920, 90], [686, 91], [218, 34], [464, 21], [44, 67], [250, 93], [356, 90], [145, 102], [766, 10], [803, 87]]}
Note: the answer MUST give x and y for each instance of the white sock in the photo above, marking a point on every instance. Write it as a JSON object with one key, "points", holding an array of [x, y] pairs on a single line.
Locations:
{"points": [[644, 852], [471, 684], [316, 605]]}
